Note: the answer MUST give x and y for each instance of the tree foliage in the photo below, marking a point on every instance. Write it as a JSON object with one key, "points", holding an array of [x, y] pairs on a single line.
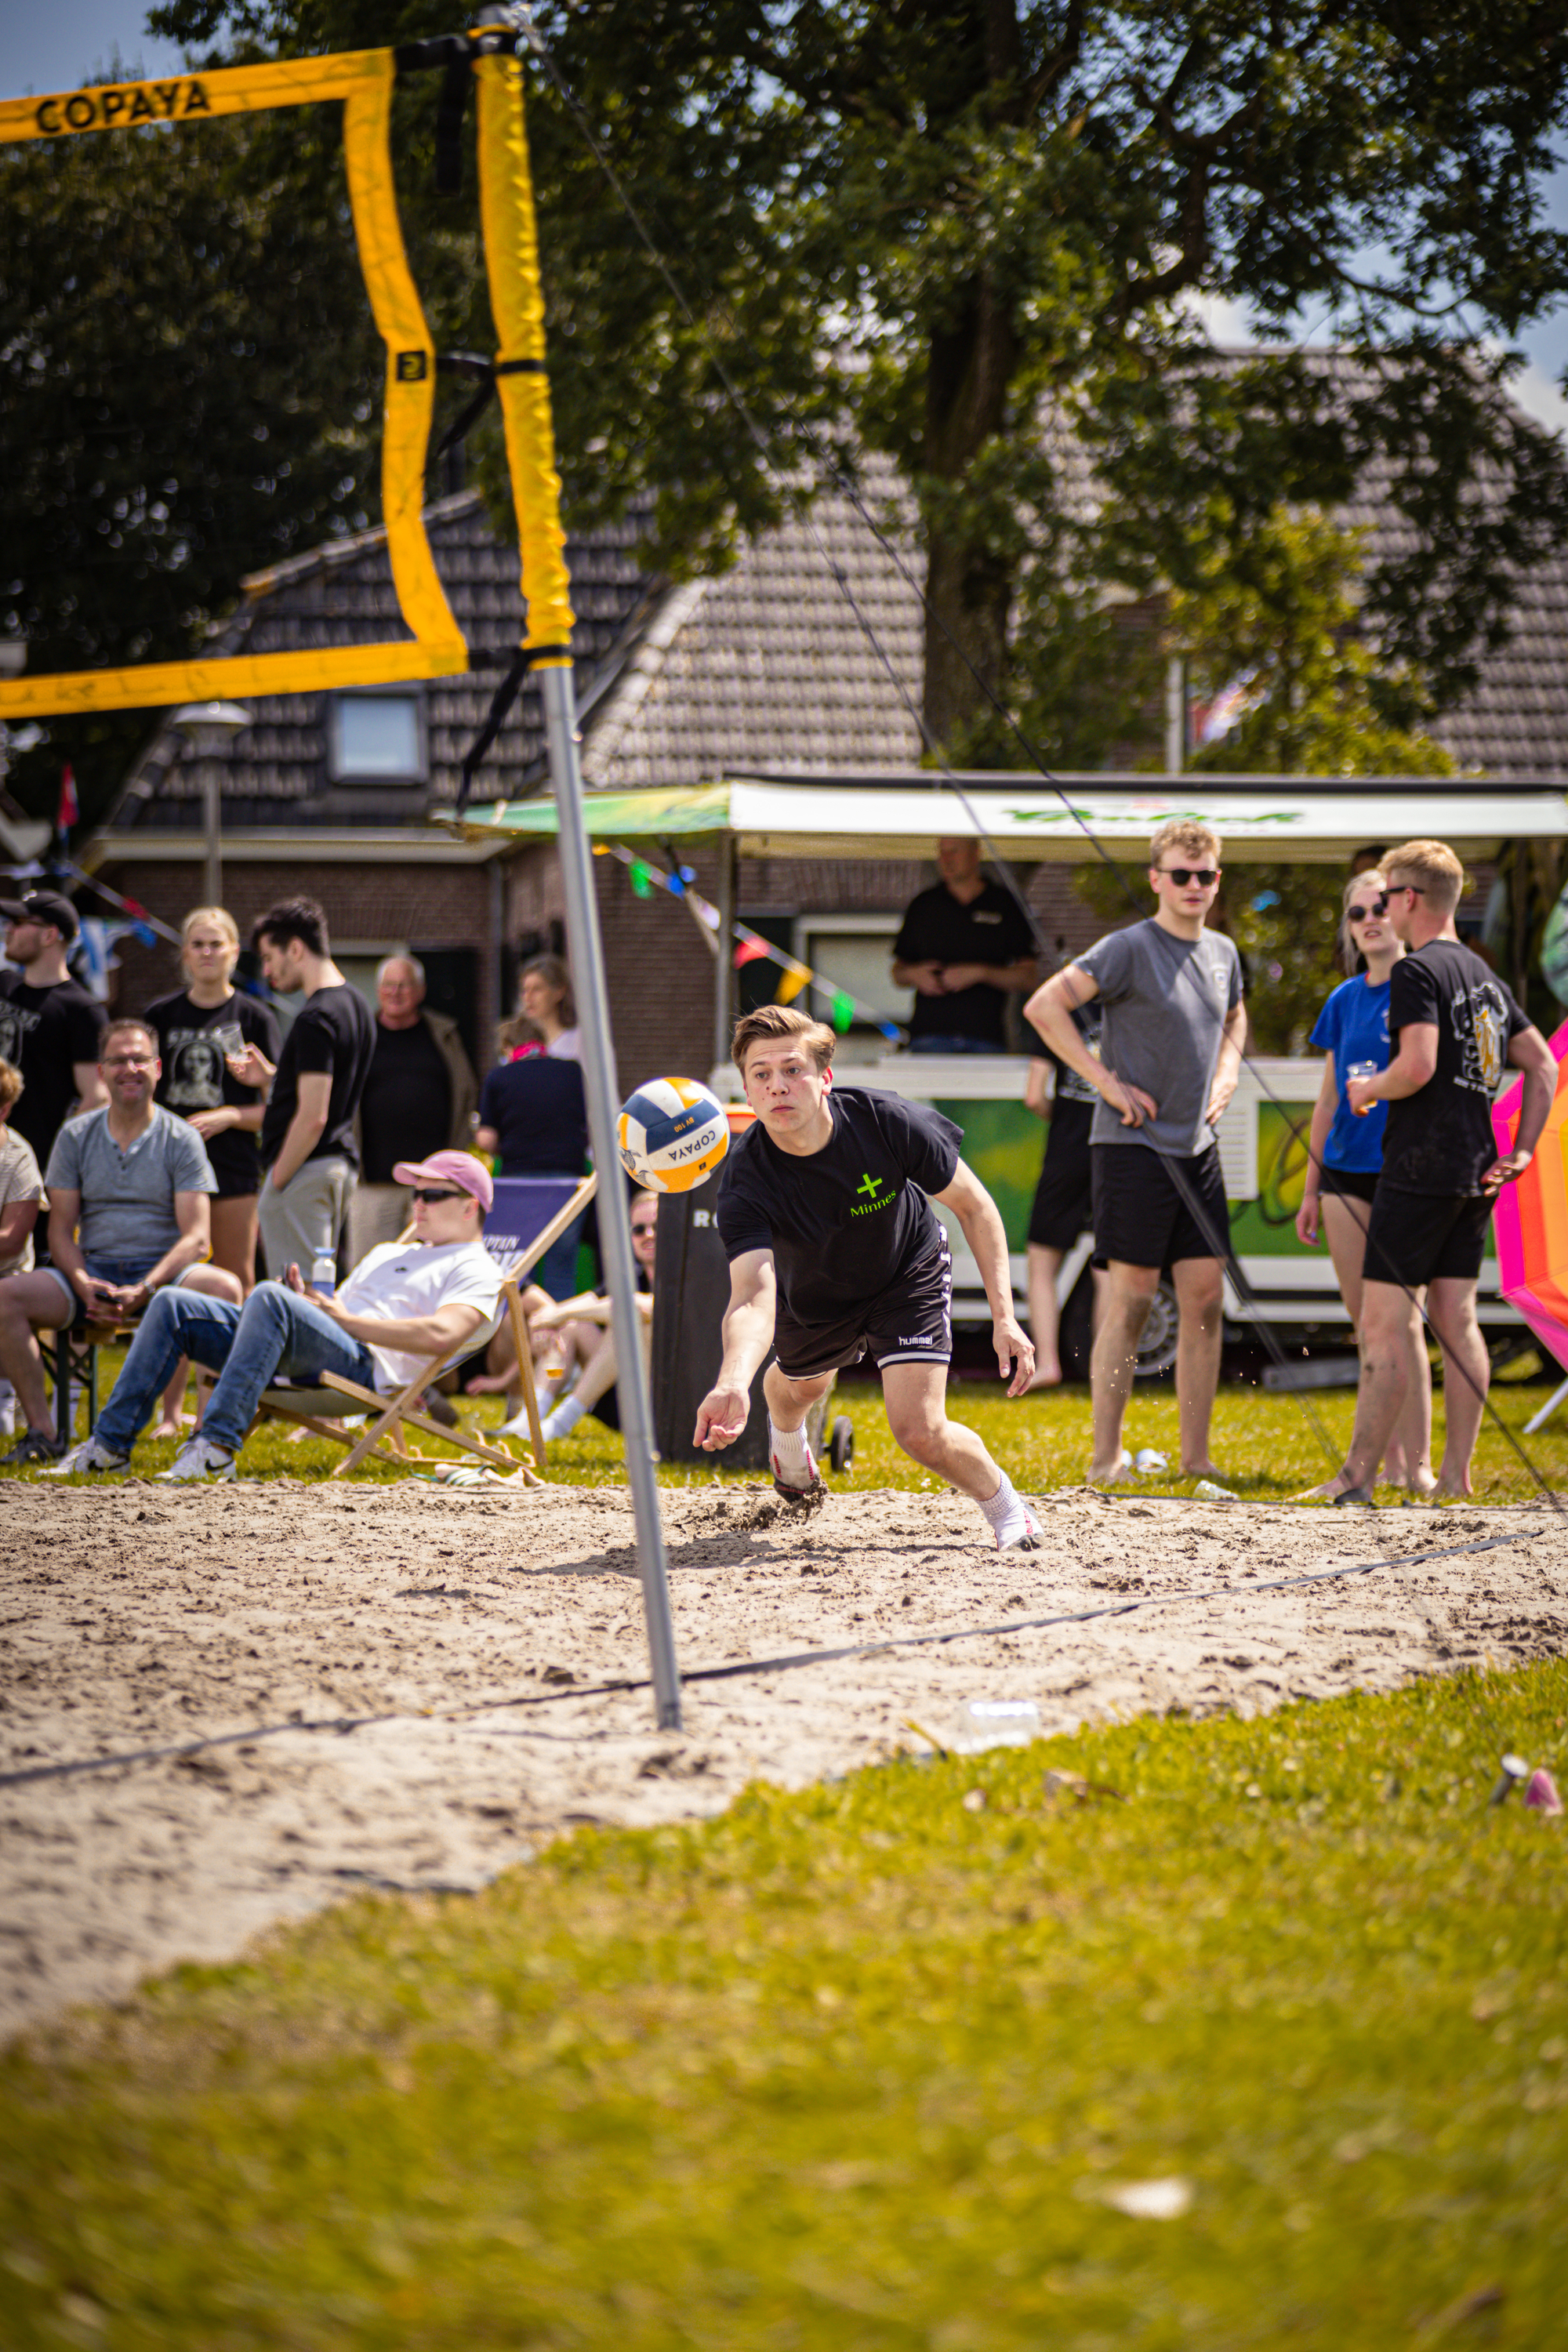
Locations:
{"points": [[1278, 614], [922, 229], [188, 388]]}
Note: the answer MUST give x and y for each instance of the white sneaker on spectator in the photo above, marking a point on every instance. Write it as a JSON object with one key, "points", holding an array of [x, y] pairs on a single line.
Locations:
{"points": [[8, 1410], [90, 1455], [197, 1458]]}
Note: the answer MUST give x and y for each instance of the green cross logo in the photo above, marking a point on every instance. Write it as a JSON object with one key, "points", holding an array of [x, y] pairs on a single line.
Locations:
{"points": [[870, 1184]]}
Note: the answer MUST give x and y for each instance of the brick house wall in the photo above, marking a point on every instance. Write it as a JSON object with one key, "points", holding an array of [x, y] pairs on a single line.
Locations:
{"points": [[429, 906]]}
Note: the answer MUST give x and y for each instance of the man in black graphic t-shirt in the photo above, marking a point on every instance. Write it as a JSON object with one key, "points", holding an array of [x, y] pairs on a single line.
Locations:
{"points": [[49, 1024], [1456, 1030], [836, 1251]]}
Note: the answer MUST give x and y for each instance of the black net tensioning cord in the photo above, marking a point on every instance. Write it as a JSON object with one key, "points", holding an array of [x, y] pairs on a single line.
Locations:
{"points": [[736, 1669], [827, 468]]}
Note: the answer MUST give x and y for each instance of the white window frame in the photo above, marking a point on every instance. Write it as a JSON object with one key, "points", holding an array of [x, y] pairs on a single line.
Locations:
{"points": [[339, 773]]}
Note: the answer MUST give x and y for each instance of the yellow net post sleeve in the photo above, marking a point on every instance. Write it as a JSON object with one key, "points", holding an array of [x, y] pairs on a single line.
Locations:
{"points": [[363, 80], [517, 303], [410, 397]]}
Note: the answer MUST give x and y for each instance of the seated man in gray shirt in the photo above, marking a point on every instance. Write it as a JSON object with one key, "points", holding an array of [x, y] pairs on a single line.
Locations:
{"points": [[128, 1191], [1170, 1054]]}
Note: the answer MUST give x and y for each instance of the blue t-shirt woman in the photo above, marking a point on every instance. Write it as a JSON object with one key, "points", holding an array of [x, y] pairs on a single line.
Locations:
{"points": [[1354, 1027]]}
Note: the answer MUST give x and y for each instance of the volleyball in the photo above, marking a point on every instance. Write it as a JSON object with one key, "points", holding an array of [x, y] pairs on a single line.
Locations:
{"points": [[672, 1134]]}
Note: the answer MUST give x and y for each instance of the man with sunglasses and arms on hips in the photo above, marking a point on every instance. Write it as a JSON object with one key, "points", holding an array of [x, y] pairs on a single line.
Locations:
{"points": [[1459, 1030], [1171, 1053], [403, 1303]]}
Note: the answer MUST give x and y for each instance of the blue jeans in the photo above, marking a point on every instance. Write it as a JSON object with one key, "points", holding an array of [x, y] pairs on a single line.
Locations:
{"points": [[955, 1046], [276, 1330]]}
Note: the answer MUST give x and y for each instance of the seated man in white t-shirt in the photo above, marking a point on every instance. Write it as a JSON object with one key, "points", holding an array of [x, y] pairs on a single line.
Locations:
{"points": [[403, 1303]]}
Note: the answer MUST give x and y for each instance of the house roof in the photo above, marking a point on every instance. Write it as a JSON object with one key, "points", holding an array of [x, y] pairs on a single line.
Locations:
{"points": [[770, 667], [276, 771]]}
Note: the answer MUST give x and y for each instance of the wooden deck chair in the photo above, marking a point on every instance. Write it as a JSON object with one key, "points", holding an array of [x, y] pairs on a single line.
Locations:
{"points": [[384, 1439]]}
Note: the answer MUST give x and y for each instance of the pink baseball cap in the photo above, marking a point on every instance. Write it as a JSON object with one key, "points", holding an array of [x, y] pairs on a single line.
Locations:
{"points": [[459, 1168]]}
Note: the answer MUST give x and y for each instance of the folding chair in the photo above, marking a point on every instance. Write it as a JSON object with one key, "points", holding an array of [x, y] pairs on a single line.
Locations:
{"points": [[75, 1355], [383, 1440]]}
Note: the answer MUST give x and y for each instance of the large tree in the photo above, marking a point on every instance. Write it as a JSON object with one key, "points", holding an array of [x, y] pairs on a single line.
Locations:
{"points": [[179, 400], [961, 234]]}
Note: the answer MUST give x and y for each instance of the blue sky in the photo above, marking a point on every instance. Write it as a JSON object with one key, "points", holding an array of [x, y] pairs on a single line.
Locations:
{"points": [[44, 48]]}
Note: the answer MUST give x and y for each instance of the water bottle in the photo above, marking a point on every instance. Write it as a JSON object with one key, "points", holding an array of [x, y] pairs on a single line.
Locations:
{"points": [[984, 1722], [324, 1274]]}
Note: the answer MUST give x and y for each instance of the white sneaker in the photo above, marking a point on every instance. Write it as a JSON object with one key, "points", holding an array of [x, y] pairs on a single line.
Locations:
{"points": [[1031, 1536], [197, 1458], [90, 1455]]}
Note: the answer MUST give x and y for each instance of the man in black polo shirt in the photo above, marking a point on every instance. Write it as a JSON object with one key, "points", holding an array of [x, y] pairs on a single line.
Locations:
{"points": [[1455, 1028], [965, 946], [836, 1252], [49, 1024]]}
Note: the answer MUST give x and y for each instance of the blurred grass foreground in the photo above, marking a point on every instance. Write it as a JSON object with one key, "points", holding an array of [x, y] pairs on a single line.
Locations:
{"points": [[1261, 2039]]}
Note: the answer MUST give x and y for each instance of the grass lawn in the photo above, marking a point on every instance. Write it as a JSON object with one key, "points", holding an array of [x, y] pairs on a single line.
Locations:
{"points": [[869, 2066], [1268, 1445]]}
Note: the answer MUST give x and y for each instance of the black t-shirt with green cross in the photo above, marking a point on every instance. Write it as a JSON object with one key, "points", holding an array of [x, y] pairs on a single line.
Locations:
{"points": [[849, 1222]]}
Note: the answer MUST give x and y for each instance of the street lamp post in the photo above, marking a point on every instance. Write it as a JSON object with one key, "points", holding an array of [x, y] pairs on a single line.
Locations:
{"points": [[209, 728]]}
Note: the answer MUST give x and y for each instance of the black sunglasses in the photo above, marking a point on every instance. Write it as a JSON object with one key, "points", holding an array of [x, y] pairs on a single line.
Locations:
{"points": [[456, 1194], [1182, 875], [1359, 914]]}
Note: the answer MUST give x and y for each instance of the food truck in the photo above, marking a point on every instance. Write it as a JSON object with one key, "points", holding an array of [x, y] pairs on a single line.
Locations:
{"points": [[1025, 820]]}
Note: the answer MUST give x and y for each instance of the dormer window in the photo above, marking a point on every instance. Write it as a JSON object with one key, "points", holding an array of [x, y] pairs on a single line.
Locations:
{"points": [[376, 739]]}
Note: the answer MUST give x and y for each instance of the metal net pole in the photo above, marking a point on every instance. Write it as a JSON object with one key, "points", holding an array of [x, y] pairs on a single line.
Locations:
{"points": [[614, 1224]]}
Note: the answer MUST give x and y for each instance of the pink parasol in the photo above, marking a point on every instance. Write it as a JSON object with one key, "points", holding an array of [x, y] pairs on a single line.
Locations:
{"points": [[1531, 1220]]}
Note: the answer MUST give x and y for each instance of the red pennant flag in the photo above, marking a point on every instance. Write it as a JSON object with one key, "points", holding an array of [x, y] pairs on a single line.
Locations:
{"points": [[748, 951], [69, 814]]}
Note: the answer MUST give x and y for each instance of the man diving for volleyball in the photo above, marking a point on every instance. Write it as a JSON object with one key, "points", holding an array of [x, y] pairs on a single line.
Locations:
{"points": [[835, 1251]]}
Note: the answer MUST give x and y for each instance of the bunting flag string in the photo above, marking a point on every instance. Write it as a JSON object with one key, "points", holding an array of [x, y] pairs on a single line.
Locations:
{"points": [[845, 1006], [147, 927]]}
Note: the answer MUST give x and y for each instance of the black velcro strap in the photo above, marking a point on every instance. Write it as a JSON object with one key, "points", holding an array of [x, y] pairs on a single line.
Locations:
{"points": [[520, 367]]}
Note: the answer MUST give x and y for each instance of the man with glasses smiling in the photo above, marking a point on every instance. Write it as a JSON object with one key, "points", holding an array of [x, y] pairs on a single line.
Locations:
{"points": [[1171, 1053], [128, 1218], [403, 1303]]}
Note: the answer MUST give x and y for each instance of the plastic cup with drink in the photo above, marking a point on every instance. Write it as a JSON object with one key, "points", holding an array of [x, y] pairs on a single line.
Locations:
{"points": [[1363, 1070]]}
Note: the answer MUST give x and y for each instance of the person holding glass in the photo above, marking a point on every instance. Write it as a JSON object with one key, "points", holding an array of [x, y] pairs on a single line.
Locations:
{"points": [[199, 1031], [1344, 1152]]}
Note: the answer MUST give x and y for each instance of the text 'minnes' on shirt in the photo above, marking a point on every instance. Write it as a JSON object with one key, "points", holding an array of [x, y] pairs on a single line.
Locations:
{"points": [[846, 1223]]}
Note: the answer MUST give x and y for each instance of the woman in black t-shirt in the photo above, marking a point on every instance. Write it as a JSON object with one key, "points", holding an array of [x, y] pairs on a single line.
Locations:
{"points": [[197, 1031]]}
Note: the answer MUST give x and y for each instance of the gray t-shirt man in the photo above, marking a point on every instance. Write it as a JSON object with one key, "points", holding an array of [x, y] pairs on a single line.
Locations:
{"points": [[128, 1197], [1165, 1004]]}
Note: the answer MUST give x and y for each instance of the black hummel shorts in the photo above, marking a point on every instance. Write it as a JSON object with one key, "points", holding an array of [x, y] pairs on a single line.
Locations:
{"points": [[1417, 1237], [1140, 1216], [911, 1323], [1064, 1206]]}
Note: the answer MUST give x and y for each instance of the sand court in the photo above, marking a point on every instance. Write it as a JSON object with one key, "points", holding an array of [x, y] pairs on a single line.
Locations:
{"points": [[479, 1629]]}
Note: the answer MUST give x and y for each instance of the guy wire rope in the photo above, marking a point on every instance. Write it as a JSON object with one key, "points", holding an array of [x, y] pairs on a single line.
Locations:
{"points": [[737, 1669]]}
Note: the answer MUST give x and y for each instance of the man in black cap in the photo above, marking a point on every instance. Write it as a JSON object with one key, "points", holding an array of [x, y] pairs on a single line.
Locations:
{"points": [[49, 1024]]}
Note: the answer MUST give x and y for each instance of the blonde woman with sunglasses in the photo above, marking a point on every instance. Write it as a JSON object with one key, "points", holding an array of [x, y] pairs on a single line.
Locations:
{"points": [[1345, 1151]]}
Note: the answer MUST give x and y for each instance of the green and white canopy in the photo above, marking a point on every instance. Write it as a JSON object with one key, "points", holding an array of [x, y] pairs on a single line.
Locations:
{"points": [[1317, 820]]}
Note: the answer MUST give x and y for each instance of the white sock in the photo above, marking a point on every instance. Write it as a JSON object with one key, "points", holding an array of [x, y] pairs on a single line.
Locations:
{"points": [[791, 1455], [562, 1421], [1006, 1513]]}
